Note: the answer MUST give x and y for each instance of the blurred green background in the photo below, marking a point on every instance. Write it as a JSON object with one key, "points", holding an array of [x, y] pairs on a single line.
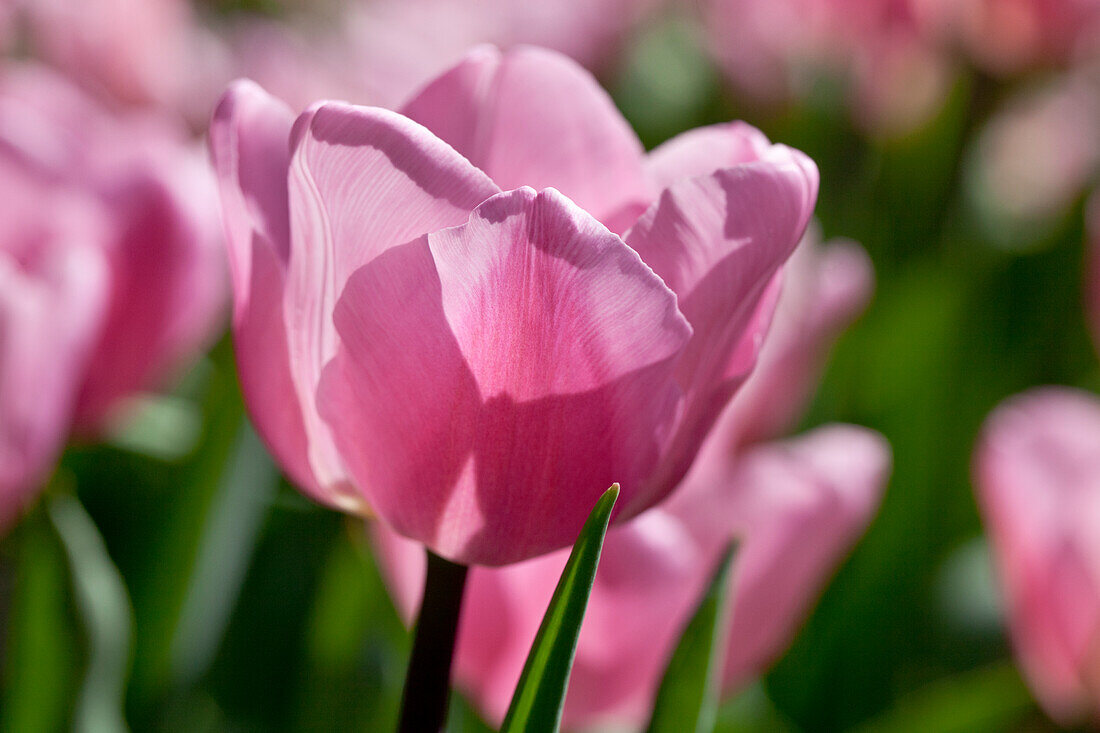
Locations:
{"points": [[192, 589]]}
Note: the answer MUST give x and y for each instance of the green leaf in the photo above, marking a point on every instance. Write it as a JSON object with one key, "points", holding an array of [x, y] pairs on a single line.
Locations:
{"points": [[539, 696], [687, 699], [41, 651], [232, 528], [104, 607]]}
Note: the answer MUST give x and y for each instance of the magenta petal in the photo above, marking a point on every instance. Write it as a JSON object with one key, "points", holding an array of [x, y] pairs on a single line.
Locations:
{"points": [[704, 150], [1038, 480], [168, 279], [528, 366], [53, 294], [162, 242], [362, 180], [531, 117]]}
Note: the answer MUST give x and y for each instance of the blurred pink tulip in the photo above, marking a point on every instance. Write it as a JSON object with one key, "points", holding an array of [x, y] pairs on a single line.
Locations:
{"points": [[481, 365], [160, 239], [53, 293], [404, 43], [1006, 37], [893, 70], [126, 51], [379, 52], [1038, 154], [1037, 471], [797, 506]]}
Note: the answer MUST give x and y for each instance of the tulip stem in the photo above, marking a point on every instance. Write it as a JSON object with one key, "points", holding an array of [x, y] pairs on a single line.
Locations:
{"points": [[427, 682]]}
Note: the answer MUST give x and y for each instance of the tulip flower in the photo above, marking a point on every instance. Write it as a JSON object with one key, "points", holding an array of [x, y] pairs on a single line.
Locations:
{"points": [[404, 43], [797, 506], [883, 52], [1005, 37], [130, 51], [53, 295], [1036, 156], [159, 238], [438, 318], [1037, 473]]}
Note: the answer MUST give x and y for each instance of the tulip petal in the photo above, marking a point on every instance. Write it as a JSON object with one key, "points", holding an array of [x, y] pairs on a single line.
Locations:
{"points": [[250, 146], [824, 289], [800, 504], [532, 117], [362, 180], [704, 150], [52, 302], [1038, 474], [528, 366], [718, 241], [168, 288]]}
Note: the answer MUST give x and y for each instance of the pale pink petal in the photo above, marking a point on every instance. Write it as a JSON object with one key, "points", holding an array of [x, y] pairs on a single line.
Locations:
{"points": [[362, 180], [704, 150], [1038, 480], [531, 117], [135, 51], [250, 145], [718, 241], [799, 506], [528, 367]]}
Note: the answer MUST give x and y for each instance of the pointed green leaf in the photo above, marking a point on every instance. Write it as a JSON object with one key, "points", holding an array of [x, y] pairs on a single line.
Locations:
{"points": [[687, 699], [539, 696]]}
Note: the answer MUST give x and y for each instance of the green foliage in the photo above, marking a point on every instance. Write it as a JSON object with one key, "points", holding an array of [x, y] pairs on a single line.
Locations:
{"points": [[540, 693], [687, 698]]}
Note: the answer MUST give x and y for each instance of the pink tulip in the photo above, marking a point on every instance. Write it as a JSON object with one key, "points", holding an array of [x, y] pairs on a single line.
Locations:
{"points": [[481, 365], [404, 43], [1011, 36], [1038, 154], [130, 51], [797, 506], [881, 50], [1037, 472], [53, 292], [160, 238]]}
